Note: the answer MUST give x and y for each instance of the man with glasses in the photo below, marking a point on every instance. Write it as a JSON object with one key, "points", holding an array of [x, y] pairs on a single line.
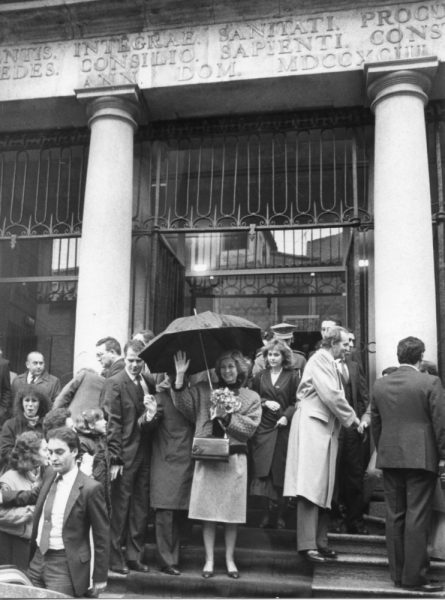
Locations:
{"points": [[109, 354]]}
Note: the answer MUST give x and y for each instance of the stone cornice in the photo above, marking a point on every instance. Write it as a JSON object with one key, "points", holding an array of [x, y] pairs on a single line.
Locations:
{"points": [[120, 102], [413, 77], [52, 20]]}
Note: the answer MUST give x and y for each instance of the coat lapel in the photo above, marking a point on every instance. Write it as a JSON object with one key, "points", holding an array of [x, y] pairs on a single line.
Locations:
{"points": [[132, 390], [74, 494], [41, 501]]}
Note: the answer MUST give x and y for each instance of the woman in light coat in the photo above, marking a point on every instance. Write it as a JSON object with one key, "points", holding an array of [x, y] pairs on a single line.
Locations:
{"points": [[313, 443], [219, 489]]}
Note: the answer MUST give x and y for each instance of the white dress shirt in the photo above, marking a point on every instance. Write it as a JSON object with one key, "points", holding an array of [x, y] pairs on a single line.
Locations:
{"points": [[63, 491], [142, 382]]}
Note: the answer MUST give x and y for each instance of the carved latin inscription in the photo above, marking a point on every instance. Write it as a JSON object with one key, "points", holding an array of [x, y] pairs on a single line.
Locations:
{"points": [[337, 41]]}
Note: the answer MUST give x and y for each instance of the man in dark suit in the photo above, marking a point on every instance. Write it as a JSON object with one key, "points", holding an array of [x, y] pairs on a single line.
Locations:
{"points": [[5, 391], [68, 505], [108, 353], [123, 401], [37, 375], [351, 452], [408, 424]]}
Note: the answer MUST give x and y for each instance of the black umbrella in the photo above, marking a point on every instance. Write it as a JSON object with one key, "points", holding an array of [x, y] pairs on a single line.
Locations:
{"points": [[203, 337]]}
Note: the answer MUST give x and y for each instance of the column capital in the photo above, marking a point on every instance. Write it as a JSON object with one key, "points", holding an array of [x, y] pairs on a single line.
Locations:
{"points": [[119, 102], [408, 77]]}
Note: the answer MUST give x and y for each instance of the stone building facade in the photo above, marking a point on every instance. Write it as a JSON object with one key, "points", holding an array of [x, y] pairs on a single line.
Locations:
{"points": [[280, 160]]}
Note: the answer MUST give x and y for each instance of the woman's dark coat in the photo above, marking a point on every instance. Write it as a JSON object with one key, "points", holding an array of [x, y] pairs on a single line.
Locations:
{"points": [[269, 444]]}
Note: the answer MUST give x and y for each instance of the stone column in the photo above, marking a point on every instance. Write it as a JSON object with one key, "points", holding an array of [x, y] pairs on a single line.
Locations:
{"points": [[405, 296], [103, 297]]}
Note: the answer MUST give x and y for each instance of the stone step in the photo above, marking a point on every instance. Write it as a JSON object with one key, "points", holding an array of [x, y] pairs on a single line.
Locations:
{"points": [[190, 584], [353, 576], [361, 570], [377, 509], [251, 537], [247, 559], [364, 545]]}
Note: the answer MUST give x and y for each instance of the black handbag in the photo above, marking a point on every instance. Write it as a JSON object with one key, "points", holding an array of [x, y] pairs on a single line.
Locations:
{"points": [[211, 448]]}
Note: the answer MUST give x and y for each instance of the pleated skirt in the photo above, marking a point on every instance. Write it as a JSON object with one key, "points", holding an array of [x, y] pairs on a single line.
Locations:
{"points": [[219, 490]]}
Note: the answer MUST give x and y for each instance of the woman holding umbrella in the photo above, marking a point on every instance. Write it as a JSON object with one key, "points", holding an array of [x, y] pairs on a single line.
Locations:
{"points": [[219, 489]]}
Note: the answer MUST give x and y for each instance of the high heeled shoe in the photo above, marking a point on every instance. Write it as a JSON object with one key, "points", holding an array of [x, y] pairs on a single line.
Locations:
{"points": [[233, 574], [207, 573]]}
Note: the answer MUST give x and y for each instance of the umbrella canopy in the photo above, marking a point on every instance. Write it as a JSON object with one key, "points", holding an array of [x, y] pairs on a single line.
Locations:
{"points": [[206, 332]]}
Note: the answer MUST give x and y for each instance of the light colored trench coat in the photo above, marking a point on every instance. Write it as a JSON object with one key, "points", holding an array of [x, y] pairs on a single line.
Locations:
{"points": [[313, 440]]}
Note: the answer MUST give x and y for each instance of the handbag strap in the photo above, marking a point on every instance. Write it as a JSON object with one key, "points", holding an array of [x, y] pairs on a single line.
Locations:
{"points": [[224, 428]]}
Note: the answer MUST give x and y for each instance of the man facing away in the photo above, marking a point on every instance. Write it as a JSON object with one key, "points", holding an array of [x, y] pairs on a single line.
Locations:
{"points": [[37, 375], [68, 506], [408, 424]]}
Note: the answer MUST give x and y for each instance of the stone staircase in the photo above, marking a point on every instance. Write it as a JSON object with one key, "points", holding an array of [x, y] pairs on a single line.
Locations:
{"points": [[270, 567]]}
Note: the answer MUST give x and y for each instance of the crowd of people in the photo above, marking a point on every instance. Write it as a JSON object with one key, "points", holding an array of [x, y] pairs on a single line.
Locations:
{"points": [[109, 450]]}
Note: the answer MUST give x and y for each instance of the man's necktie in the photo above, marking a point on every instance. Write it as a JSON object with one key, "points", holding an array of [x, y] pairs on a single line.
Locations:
{"points": [[140, 389], [33, 378], [344, 370], [47, 510]]}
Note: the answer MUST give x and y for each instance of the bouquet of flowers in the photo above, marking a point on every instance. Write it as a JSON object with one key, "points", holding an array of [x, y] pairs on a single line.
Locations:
{"points": [[224, 402]]}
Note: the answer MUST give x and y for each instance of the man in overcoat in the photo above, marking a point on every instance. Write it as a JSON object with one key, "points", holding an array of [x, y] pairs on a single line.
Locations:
{"points": [[37, 375], [313, 444], [82, 392], [171, 473], [408, 424]]}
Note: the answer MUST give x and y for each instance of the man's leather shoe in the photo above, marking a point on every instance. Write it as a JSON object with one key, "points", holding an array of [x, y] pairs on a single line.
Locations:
{"points": [[122, 569], [170, 570], [314, 556], [327, 552], [136, 565], [428, 587]]}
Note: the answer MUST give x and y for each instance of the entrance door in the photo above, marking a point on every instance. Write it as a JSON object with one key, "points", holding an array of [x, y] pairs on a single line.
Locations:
{"points": [[158, 283], [261, 211], [297, 276]]}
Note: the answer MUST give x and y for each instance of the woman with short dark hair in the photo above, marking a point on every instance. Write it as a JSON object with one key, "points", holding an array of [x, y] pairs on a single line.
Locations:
{"points": [[30, 407]]}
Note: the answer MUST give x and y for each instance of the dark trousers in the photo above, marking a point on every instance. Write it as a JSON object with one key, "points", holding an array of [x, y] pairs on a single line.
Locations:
{"points": [[14, 550], [51, 572], [168, 528], [350, 475], [129, 507], [312, 525], [408, 497]]}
